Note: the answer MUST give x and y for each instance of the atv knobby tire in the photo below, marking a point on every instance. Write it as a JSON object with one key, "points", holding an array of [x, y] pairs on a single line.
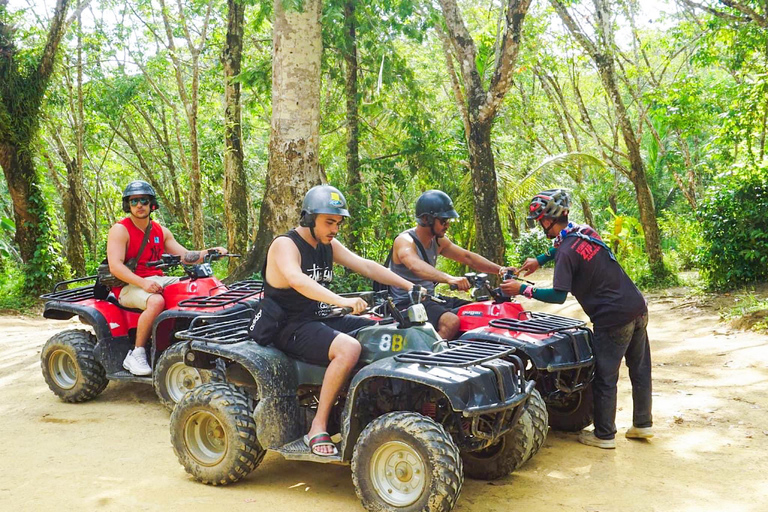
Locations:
{"points": [[406, 462], [214, 435], [504, 456], [537, 410], [172, 378], [70, 367], [574, 413]]}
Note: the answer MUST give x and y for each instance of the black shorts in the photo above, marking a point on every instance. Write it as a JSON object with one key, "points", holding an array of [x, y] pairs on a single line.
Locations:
{"points": [[311, 341], [436, 310]]}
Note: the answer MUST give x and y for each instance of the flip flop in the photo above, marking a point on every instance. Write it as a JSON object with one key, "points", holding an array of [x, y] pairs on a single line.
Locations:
{"points": [[321, 439]]}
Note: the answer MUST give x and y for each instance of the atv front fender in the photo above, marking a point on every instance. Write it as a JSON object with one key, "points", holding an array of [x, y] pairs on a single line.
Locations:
{"points": [[277, 412]]}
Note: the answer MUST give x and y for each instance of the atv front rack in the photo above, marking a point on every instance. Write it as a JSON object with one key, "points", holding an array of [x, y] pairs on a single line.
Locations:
{"points": [[538, 323], [237, 292], [71, 294], [458, 355], [223, 329]]}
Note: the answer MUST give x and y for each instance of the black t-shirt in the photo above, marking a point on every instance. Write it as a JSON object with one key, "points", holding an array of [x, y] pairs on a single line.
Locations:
{"points": [[317, 263], [601, 286]]}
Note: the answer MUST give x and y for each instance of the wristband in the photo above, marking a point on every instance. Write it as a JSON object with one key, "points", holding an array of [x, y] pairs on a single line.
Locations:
{"points": [[527, 291]]}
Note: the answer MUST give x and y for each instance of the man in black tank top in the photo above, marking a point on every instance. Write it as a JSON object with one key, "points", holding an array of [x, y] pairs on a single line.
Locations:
{"points": [[586, 267], [298, 269], [434, 213]]}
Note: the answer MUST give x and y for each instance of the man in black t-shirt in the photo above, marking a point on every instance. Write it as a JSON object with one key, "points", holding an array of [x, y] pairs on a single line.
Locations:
{"points": [[586, 267], [298, 269]]}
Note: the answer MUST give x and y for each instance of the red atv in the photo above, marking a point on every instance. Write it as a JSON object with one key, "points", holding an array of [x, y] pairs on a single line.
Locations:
{"points": [[78, 364], [557, 351]]}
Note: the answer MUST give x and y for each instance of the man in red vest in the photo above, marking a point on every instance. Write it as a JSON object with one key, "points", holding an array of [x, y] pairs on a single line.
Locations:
{"points": [[145, 284]]}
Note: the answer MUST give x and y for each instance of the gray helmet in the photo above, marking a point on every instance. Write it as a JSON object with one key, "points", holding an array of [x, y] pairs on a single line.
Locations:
{"points": [[549, 204], [434, 204], [139, 188], [322, 199]]}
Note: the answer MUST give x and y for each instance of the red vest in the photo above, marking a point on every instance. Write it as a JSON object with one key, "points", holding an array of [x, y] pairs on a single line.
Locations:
{"points": [[152, 251]]}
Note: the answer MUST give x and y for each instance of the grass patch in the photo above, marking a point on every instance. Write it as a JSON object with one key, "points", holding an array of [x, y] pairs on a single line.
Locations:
{"points": [[751, 312]]}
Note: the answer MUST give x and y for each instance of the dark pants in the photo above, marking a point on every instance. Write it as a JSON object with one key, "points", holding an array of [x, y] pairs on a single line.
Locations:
{"points": [[630, 342]]}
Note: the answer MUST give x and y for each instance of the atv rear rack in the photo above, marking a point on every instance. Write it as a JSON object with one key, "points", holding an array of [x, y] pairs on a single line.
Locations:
{"points": [[223, 329], [458, 355], [71, 294], [235, 293], [538, 323]]}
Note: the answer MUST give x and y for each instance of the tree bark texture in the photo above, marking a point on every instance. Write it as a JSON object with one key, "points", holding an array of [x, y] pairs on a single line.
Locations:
{"points": [[294, 136], [603, 57], [480, 110], [354, 177], [235, 185], [22, 96]]}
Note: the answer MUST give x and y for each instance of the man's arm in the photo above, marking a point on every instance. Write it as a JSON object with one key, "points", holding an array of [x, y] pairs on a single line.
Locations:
{"points": [[469, 258], [187, 257], [405, 250], [368, 268], [117, 241], [284, 269]]}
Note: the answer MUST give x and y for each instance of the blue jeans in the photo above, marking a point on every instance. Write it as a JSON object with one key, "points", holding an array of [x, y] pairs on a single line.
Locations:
{"points": [[628, 342]]}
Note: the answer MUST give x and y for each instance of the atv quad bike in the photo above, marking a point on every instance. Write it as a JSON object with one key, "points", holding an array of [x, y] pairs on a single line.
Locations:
{"points": [[557, 351], [78, 364], [416, 407]]}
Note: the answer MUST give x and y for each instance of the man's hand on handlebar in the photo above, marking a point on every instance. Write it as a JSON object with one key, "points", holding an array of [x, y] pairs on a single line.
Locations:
{"points": [[460, 283], [356, 304]]}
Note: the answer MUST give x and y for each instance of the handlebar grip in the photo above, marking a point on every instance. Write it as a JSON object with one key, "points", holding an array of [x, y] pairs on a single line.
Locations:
{"points": [[154, 263], [231, 255], [453, 287]]}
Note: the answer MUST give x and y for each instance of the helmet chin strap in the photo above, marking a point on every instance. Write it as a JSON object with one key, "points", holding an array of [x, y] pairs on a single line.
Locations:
{"points": [[312, 232]]}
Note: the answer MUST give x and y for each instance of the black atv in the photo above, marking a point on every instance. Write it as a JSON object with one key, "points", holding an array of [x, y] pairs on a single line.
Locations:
{"points": [[557, 351], [78, 364], [419, 412]]}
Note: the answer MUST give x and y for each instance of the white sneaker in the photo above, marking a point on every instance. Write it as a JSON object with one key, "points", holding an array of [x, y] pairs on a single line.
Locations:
{"points": [[136, 362], [588, 438], [639, 432]]}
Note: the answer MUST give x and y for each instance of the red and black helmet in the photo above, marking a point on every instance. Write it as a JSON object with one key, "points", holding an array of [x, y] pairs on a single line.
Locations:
{"points": [[549, 204]]}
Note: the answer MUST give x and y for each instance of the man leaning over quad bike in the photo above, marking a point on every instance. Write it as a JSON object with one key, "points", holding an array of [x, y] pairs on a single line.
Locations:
{"points": [[587, 268], [298, 269], [144, 284], [414, 256]]}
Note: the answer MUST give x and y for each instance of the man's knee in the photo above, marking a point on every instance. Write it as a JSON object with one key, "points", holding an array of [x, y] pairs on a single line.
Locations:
{"points": [[346, 349], [155, 303], [449, 323]]}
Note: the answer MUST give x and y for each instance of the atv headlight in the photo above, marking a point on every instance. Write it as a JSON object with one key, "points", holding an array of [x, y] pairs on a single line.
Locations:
{"points": [[417, 314]]}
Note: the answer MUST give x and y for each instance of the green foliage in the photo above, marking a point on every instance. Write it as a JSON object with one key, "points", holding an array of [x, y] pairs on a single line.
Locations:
{"points": [[682, 239], [531, 243], [14, 295], [734, 228], [47, 264]]}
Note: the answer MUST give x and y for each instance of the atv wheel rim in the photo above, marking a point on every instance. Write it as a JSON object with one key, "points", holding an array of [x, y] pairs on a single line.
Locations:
{"points": [[179, 379], [205, 438], [63, 369], [398, 473]]}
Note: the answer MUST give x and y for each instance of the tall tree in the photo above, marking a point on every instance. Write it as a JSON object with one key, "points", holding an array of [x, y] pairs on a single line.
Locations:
{"points": [[294, 136], [478, 107], [602, 50], [354, 176], [23, 82], [235, 186]]}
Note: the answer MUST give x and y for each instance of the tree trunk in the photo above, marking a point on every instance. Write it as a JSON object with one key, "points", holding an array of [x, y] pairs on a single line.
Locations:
{"points": [[294, 135], [354, 178], [490, 242], [22, 181], [235, 185]]}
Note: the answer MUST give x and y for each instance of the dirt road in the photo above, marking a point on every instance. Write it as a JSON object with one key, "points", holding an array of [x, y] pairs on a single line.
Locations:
{"points": [[113, 453]]}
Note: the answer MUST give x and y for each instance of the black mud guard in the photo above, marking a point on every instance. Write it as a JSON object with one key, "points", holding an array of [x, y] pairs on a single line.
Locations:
{"points": [[277, 413], [470, 390], [60, 310], [561, 351]]}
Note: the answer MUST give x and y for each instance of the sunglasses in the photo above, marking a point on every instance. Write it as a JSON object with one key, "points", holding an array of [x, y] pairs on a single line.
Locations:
{"points": [[143, 200], [444, 222]]}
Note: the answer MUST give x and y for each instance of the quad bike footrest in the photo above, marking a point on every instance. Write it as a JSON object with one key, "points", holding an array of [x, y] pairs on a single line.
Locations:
{"points": [[298, 450], [538, 323]]}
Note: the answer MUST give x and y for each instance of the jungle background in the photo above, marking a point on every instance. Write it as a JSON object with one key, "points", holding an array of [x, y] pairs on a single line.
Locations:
{"points": [[652, 114]]}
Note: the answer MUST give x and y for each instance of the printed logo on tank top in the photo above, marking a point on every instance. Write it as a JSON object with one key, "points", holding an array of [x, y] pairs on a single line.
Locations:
{"points": [[320, 274]]}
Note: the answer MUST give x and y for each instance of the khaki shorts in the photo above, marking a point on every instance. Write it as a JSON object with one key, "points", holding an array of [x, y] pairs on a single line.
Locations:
{"points": [[133, 296]]}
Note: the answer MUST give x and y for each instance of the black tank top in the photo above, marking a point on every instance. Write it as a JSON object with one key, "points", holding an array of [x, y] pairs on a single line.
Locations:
{"points": [[317, 263]]}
